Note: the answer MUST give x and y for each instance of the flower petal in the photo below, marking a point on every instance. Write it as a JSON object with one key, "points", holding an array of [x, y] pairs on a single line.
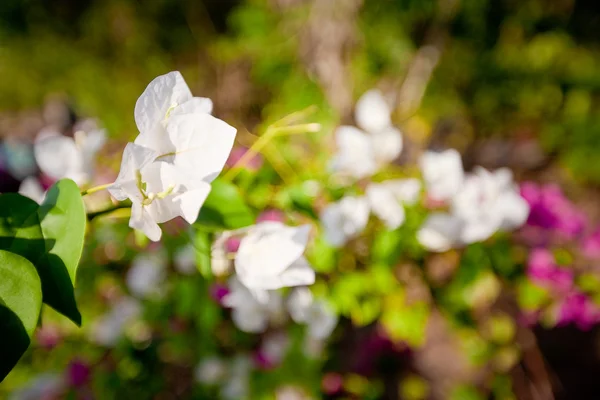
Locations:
{"points": [[372, 112], [387, 145], [440, 232], [191, 201], [386, 205], [135, 158], [202, 144], [141, 220], [58, 157], [195, 105], [300, 273], [443, 173], [355, 155], [31, 187]]}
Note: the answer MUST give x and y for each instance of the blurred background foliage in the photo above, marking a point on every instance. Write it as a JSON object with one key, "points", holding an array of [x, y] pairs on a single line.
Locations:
{"points": [[507, 82]]}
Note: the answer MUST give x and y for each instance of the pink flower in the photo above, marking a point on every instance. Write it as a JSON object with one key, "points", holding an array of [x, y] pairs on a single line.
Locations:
{"points": [[218, 292], [78, 373], [591, 245], [271, 215], [253, 164], [551, 210], [578, 309], [332, 383], [542, 268]]}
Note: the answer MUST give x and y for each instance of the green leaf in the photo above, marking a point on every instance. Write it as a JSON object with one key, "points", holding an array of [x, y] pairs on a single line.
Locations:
{"points": [[20, 230], [225, 208], [20, 303], [202, 243], [62, 218]]}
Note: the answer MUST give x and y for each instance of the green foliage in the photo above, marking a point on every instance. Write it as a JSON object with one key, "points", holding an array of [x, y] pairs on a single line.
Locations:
{"points": [[225, 208]]}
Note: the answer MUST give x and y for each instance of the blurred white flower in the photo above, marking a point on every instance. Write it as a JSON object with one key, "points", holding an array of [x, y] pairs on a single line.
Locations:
{"points": [[60, 156], [44, 386], [387, 199], [248, 313], [147, 274], [274, 347], [316, 314], [210, 371], [237, 385], [184, 260], [157, 190], [486, 203], [108, 329], [31, 187], [270, 257], [361, 152], [344, 219], [443, 173]]}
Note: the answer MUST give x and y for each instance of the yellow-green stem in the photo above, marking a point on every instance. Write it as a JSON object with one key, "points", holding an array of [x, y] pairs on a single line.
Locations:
{"points": [[95, 189]]}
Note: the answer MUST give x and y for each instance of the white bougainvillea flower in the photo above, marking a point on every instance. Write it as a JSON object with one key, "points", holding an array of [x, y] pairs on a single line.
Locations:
{"points": [[108, 329], [211, 371], [488, 202], [147, 274], [387, 199], [316, 314], [248, 313], [32, 188], [361, 152], [270, 257], [443, 173], [180, 129], [158, 191], [440, 232], [237, 385], [61, 156], [344, 219]]}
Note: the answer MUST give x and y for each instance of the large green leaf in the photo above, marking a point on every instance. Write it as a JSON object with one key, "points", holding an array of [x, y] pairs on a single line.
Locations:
{"points": [[225, 208], [20, 303], [62, 218], [20, 230]]}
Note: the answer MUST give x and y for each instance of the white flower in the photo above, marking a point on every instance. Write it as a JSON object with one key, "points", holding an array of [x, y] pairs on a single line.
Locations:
{"points": [[270, 257], [248, 313], [180, 129], [184, 260], [361, 152], [487, 203], [317, 314], [386, 199], [31, 187], [345, 219], [147, 274], [443, 173], [158, 191], [43, 386], [60, 156], [107, 330], [210, 371], [274, 347], [237, 385]]}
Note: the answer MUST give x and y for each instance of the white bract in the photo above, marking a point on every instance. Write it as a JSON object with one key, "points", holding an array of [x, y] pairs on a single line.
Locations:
{"points": [[345, 219], [181, 148], [485, 203], [443, 173], [387, 199], [107, 330], [270, 257], [361, 152], [316, 314], [248, 313], [60, 156], [210, 371], [31, 187], [146, 276]]}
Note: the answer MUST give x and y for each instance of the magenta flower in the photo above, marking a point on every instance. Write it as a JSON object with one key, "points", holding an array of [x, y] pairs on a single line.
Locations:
{"points": [[578, 309], [542, 269], [78, 373], [551, 210], [591, 245], [271, 215], [218, 292]]}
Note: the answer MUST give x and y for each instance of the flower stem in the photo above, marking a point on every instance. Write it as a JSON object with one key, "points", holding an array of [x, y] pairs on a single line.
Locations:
{"points": [[115, 207], [95, 189]]}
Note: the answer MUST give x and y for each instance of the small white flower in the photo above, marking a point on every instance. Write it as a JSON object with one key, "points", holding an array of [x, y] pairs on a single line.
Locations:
{"points": [[184, 260], [210, 371], [237, 385], [345, 219], [443, 173], [248, 313], [109, 328], [157, 190], [441, 232], [147, 274], [31, 187], [360, 153], [387, 199], [317, 314], [60, 156], [270, 257], [274, 347], [43, 386]]}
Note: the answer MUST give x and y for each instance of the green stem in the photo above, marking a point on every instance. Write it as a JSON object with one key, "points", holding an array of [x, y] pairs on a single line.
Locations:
{"points": [[119, 206], [95, 189]]}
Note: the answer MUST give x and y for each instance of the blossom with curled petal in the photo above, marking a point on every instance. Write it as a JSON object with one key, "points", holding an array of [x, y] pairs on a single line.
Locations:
{"points": [[387, 199], [344, 219], [60, 156], [270, 256], [362, 151], [443, 173], [158, 191]]}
